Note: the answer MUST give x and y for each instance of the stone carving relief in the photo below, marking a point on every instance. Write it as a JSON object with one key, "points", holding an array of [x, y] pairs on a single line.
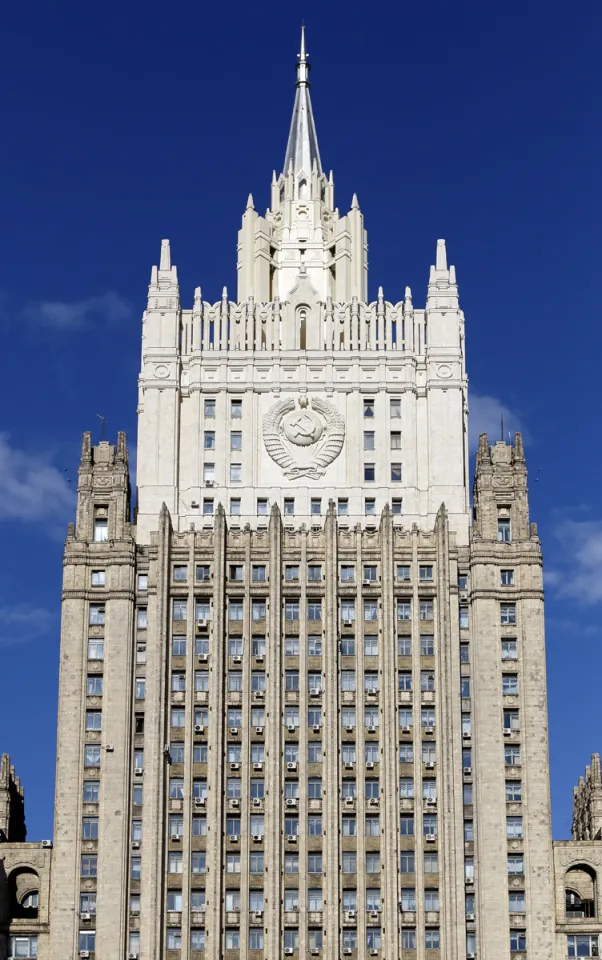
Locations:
{"points": [[303, 436]]}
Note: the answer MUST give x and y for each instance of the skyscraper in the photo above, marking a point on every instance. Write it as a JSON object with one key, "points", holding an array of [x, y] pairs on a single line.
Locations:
{"points": [[302, 705]]}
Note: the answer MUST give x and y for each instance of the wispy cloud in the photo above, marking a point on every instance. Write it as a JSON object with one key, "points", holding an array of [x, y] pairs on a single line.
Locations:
{"points": [[580, 575], [485, 416], [77, 314], [23, 623], [32, 490]]}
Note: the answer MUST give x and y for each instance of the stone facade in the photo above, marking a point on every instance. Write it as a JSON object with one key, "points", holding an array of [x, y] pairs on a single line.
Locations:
{"points": [[302, 702]]}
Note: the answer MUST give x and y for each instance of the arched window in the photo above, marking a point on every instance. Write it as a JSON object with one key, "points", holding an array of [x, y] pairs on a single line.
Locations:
{"points": [[303, 190], [302, 317], [281, 193], [580, 892], [23, 885]]}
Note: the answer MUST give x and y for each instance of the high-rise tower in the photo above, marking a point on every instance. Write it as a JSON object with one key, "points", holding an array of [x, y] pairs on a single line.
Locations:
{"points": [[302, 703]]}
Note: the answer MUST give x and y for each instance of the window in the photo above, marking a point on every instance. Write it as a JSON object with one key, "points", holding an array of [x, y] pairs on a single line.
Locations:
{"points": [[427, 680], [291, 610], [258, 610], [395, 439], [198, 863], [368, 439], [262, 507], [512, 756], [90, 828], [87, 903], [256, 938], [583, 945], [232, 939], [235, 440], [369, 409], [406, 719], [314, 900], [406, 753], [97, 614], [426, 572], [467, 794], [291, 863], [92, 755], [507, 578], [427, 645], [370, 507], [404, 680], [236, 409], [101, 529], [235, 474], [94, 686], [291, 935], [373, 938], [514, 828], [407, 862], [343, 507], [408, 898], [349, 861], [314, 751], [314, 646], [210, 408], [235, 506], [468, 831], [256, 863], [404, 610], [93, 719], [518, 940], [463, 618], [406, 787], [208, 507], [98, 578], [314, 788], [396, 475], [314, 610], [369, 472], [291, 573], [259, 573], [510, 684], [289, 507], [370, 610], [431, 938], [465, 688], [396, 506], [209, 440], [348, 646], [197, 937], [503, 529], [209, 473], [406, 826], [509, 650], [349, 827], [348, 717], [316, 506], [89, 865], [203, 572], [314, 572], [370, 645], [517, 902], [426, 609], [464, 653]]}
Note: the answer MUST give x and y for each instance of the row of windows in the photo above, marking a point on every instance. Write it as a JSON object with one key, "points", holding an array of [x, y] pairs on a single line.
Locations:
{"points": [[263, 505]]}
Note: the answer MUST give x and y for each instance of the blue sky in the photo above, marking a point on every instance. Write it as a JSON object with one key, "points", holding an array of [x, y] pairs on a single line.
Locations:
{"points": [[124, 124]]}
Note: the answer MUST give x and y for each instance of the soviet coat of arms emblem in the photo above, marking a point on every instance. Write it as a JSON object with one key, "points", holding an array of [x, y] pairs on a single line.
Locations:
{"points": [[303, 437]]}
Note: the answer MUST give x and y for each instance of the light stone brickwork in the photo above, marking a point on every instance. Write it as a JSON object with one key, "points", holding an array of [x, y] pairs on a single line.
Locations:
{"points": [[302, 704]]}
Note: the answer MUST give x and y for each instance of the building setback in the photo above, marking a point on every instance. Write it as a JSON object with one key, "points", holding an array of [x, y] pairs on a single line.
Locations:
{"points": [[302, 702]]}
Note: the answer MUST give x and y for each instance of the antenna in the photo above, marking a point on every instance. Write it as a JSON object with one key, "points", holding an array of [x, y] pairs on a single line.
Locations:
{"points": [[103, 423]]}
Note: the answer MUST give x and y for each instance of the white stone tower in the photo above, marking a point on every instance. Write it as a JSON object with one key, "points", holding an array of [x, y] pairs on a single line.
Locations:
{"points": [[303, 699]]}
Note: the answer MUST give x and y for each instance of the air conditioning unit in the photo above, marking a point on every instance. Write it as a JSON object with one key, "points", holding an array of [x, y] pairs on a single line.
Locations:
{"points": [[256, 802], [203, 658], [234, 838], [466, 735], [194, 503], [507, 732], [373, 802], [235, 802], [84, 953], [258, 695], [110, 747], [347, 623], [199, 801], [135, 844], [133, 956], [138, 771], [369, 764], [315, 693], [292, 838], [470, 956], [202, 624], [176, 837], [291, 728], [258, 914], [291, 802], [235, 766], [350, 914], [349, 801], [209, 483], [430, 764], [371, 729], [47, 844], [257, 838], [429, 731], [470, 917], [431, 838], [234, 731], [463, 594], [291, 765], [372, 691], [347, 951], [467, 771], [199, 728], [349, 728], [258, 765], [431, 802], [366, 582], [349, 765], [288, 951], [259, 658], [85, 917], [406, 729], [469, 881], [315, 952], [316, 728], [237, 659]]}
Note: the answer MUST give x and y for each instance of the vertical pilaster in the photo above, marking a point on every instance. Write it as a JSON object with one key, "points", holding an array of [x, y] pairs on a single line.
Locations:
{"points": [[274, 721], [331, 740]]}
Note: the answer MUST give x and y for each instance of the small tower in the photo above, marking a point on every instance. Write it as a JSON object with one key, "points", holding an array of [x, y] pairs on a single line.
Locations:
{"points": [[12, 810]]}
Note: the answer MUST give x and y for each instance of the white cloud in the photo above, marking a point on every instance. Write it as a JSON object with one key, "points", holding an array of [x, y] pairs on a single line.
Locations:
{"points": [[581, 576], [31, 489], [62, 315], [23, 623], [485, 416]]}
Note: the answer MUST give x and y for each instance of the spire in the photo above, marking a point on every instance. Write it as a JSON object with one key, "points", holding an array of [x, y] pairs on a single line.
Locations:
{"points": [[302, 147]]}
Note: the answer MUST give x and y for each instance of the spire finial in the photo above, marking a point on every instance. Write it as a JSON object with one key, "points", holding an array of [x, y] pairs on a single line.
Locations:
{"points": [[441, 261], [302, 147], [165, 261]]}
